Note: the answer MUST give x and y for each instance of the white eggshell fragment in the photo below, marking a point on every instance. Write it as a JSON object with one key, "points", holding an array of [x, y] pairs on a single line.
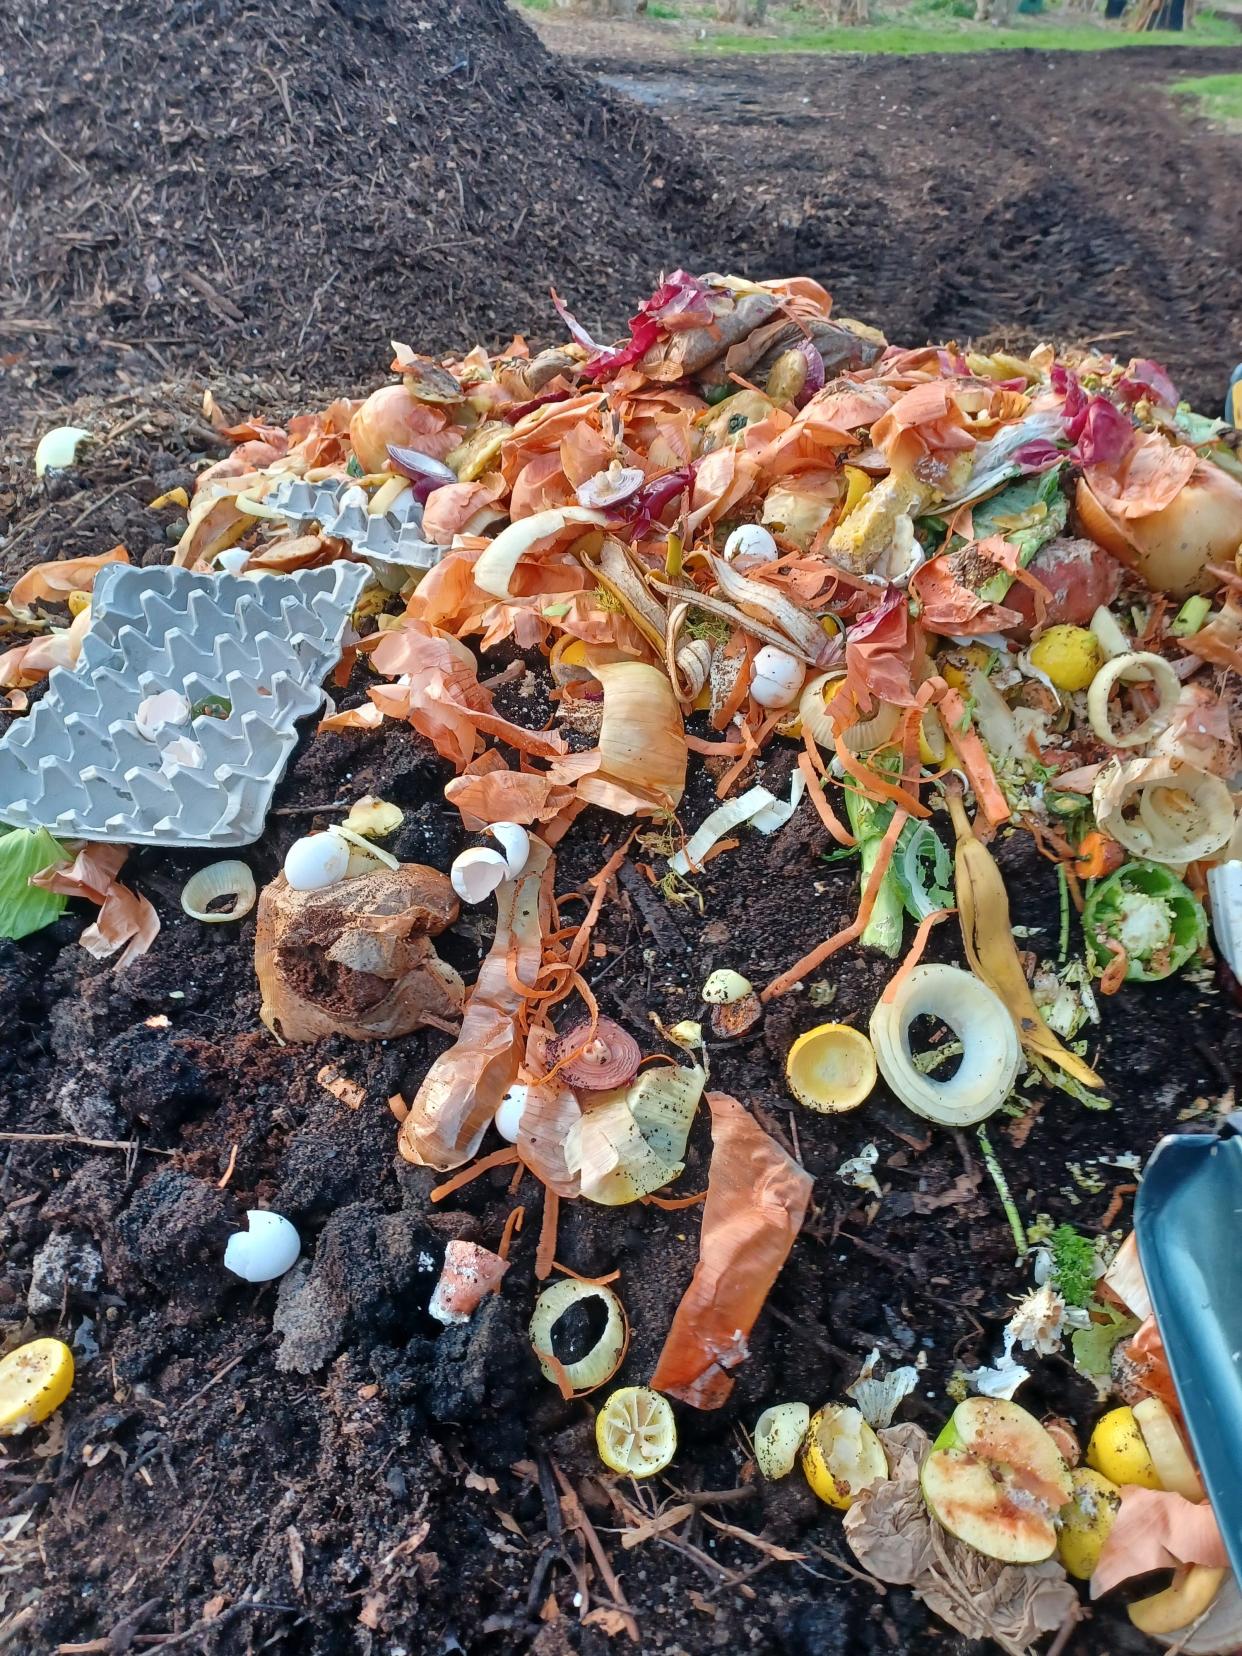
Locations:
{"points": [[166, 707], [776, 677], [750, 540], [233, 560], [58, 448], [508, 1117], [476, 873], [264, 1251], [514, 841], [316, 860]]}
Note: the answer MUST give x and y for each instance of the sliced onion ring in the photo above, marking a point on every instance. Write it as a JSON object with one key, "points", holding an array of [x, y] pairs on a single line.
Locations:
{"points": [[596, 1062], [978, 1017], [1182, 813], [217, 880], [1136, 666], [863, 737], [605, 1356]]}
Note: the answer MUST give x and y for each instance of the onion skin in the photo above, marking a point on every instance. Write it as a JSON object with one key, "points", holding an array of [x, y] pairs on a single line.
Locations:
{"points": [[389, 415], [1172, 549], [618, 1067]]}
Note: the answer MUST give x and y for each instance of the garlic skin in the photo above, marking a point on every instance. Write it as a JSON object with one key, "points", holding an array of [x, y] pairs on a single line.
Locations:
{"points": [[776, 677], [514, 841], [265, 1250], [751, 540], [316, 860], [508, 1117], [476, 873]]}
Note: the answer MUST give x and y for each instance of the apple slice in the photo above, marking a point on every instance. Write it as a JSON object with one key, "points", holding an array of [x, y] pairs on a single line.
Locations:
{"points": [[996, 1480]]}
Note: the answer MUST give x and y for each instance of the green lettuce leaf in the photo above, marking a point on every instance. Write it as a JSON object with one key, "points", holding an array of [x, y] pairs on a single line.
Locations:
{"points": [[25, 908]]}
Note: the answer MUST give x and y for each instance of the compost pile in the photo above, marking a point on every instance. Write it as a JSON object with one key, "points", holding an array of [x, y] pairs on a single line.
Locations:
{"points": [[158, 160], [764, 762]]}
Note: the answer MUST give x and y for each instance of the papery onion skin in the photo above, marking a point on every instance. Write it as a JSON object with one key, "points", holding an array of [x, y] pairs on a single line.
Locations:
{"points": [[410, 462], [389, 415], [1151, 669], [605, 1357]]}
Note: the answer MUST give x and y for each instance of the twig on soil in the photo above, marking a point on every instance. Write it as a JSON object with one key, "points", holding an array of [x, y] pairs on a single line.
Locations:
{"points": [[229, 1170], [309, 810], [220, 1374], [103, 500], [584, 1526], [830, 1557], [86, 1143]]}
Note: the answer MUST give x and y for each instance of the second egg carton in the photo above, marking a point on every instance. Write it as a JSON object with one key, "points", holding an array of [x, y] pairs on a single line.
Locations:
{"points": [[391, 540]]}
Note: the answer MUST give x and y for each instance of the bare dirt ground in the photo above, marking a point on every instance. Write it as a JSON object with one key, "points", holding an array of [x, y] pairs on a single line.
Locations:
{"points": [[1018, 195], [399, 1496]]}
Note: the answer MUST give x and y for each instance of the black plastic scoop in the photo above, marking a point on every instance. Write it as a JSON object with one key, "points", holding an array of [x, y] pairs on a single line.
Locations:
{"points": [[1188, 1220]]}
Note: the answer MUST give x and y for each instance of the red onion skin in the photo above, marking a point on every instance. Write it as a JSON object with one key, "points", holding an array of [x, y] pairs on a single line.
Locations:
{"points": [[814, 380]]}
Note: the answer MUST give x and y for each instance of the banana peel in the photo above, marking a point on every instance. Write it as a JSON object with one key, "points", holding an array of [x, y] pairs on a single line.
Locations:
{"points": [[983, 912]]}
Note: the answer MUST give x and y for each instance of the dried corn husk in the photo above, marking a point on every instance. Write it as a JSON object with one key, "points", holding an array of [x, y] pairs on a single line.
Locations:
{"points": [[757, 1198], [356, 958], [631, 1141], [462, 1090]]}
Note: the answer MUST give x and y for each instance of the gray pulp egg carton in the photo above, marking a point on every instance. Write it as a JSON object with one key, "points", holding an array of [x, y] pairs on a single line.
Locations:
{"points": [[391, 542], [77, 765]]}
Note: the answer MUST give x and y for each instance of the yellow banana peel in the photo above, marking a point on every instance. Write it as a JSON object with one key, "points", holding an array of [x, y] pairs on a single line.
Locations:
{"points": [[983, 912]]}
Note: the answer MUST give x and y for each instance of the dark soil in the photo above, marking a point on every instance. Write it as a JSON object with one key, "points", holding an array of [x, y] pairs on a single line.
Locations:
{"points": [[235, 184], [1019, 196], [220, 1484]]}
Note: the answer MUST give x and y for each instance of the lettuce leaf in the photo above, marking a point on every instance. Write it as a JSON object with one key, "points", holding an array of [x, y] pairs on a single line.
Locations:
{"points": [[25, 908]]}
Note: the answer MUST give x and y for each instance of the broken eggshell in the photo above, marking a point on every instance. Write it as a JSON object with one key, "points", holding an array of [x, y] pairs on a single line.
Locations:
{"points": [[751, 540], [776, 677], [508, 1117], [470, 1273], [266, 1249], [478, 872], [166, 707], [316, 861], [514, 842]]}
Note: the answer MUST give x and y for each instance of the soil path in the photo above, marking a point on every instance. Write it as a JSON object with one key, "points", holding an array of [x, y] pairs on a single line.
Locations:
{"points": [[1027, 194]]}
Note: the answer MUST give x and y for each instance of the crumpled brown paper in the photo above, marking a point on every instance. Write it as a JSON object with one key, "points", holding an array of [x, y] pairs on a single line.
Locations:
{"points": [[893, 1535], [356, 958]]}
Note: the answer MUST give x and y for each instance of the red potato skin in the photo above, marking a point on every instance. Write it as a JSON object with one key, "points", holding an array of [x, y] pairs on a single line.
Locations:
{"points": [[1079, 576]]}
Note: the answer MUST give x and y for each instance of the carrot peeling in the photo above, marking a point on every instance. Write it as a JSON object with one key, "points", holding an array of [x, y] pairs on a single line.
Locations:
{"points": [[915, 953], [819, 799], [498, 1158], [974, 757], [794, 975], [545, 1255]]}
